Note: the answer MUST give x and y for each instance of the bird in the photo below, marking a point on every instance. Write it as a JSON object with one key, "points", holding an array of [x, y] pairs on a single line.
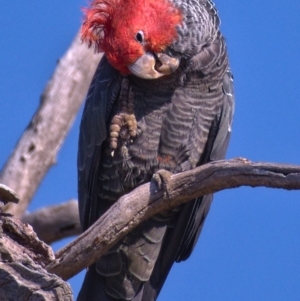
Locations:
{"points": [[161, 98]]}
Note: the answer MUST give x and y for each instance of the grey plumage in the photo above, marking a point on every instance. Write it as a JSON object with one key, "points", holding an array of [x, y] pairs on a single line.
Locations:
{"points": [[183, 121]]}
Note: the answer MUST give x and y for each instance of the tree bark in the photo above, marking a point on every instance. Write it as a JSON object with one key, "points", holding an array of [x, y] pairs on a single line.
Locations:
{"points": [[22, 260], [149, 199], [37, 148]]}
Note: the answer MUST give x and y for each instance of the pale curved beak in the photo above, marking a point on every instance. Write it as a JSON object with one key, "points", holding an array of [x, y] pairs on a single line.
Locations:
{"points": [[150, 66]]}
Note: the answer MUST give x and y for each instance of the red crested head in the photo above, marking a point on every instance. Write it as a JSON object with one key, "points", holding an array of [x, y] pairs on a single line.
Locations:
{"points": [[126, 29]]}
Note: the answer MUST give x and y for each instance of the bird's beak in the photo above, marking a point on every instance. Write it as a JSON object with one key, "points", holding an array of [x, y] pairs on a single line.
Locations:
{"points": [[152, 66]]}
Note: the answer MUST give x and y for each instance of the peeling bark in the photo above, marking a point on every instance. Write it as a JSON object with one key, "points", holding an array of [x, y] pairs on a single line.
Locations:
{"points": [[22, 258]]}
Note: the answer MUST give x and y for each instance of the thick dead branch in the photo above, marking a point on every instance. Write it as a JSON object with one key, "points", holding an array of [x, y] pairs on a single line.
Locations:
{"points": [[36, 150], [148, 199], [55, 222], [22, 258]]}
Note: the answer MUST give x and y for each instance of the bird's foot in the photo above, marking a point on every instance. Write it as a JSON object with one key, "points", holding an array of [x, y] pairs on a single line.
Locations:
{"points": [[162, 181], [122, 126]]}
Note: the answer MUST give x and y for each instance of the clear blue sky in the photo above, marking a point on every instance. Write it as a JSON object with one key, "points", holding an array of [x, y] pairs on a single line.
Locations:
{"points": [[250, 245]]}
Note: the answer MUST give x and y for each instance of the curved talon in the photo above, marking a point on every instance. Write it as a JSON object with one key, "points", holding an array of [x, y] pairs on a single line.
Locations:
{"points": [[114, 130], [131, 124]]}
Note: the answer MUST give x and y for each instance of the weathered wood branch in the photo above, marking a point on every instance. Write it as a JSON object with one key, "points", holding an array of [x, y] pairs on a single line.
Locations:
{"points": [[36, 150], [148, 199], [55, 222], [22, 260]]}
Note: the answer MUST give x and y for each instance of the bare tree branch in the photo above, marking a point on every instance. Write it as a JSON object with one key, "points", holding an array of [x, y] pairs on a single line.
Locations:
{"points": [[55, 222], [148, 199], [36, 150]]}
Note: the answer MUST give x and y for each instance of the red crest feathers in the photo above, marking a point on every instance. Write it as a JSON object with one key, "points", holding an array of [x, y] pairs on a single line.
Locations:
{"points": [[112, 25]]}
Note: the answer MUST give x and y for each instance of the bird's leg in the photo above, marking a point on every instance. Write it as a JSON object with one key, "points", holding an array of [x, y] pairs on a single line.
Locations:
{"points": [[130, 117]]}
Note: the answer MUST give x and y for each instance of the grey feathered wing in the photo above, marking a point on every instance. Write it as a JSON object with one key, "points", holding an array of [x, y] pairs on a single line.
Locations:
{"points": [[102, 93]]}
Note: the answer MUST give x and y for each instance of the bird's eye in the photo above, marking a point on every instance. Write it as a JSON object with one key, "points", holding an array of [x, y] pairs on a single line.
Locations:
{"points": [[140, 37]]}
